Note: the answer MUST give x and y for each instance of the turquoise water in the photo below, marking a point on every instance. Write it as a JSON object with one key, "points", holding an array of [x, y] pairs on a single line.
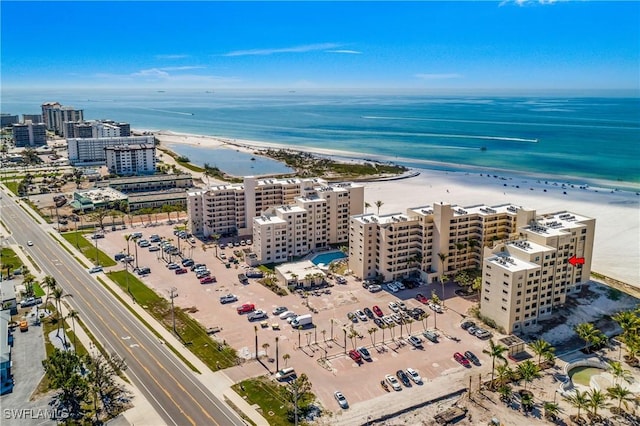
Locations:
{"points": [[585, 138], [327, 258]]}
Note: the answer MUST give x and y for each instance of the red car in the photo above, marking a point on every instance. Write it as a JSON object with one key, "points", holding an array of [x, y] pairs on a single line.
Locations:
{"points": [[376, 310], [207, 280], [355, 355], [422, 298], [461, 359], [181, 271], [247, 307]]}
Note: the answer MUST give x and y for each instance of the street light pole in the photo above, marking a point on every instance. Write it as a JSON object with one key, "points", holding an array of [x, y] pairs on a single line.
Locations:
{"points": [[172, 295]]}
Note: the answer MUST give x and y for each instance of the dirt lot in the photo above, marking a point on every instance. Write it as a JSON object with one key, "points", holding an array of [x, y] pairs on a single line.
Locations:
{"points": [[359, 382]]}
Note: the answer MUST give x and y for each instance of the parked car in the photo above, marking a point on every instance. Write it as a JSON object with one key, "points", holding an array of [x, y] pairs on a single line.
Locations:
{"points": [[401, 305], [472, 330], [395, 384], [435, 307], [119, 256], [415, 341], [355, 355], [352, 317], [413, 375], [361, 315], [461, 359], [143, 271], [198, 265], [374, 288], [287, 314], [279, 310], [394, 306], [30, 301], [378, 322], [228, 298], [95, 269], [202, 274], [364, 353], [181, 271], [342, 401], [392, 288], [285, 373], [403, 378], [481, 333], [472, 357], [207, 280], [430, 335], [466, 324], [368, 312], [247, 307], [422, 298], [257, 315], [172, 266], [399, 285], [187, 260], [377, 311], [154, 248]]}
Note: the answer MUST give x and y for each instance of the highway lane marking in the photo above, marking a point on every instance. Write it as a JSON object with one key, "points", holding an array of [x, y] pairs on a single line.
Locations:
{"points": [[158, 364], [149, 374], [135, 345], [118, 306]]}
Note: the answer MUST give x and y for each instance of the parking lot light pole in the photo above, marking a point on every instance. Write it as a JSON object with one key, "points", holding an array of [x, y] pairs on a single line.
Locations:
{"points": [[277, 355], [173, 293]]}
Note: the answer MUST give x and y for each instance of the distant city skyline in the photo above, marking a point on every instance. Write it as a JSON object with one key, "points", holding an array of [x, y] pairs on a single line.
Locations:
{"points": [[441, 46]]}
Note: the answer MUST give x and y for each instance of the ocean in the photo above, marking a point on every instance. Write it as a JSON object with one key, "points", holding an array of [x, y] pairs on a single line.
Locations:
{"points": [[585, 138]]}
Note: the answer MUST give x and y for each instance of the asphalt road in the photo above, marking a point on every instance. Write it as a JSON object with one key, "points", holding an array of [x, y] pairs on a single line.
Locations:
{"points": [[171, 387]]}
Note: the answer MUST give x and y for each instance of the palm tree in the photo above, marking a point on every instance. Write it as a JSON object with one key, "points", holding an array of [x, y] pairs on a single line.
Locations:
{"points": [[73, 314], [526, 400], [352, 336], [579, 400], [423, 317], [528, 371], [505, 392], [265, 346], [372, 334], [285, 358], [378, 205], [408, 321], [459, 246], [495, 351], [620, 394], [443, 257], [541, 348], [616, 370], [629, 321], [127, 237], [367, 206], [587, 332], [551, 410], [50, 283], [597, 400], [28, 281], [504, 374]]}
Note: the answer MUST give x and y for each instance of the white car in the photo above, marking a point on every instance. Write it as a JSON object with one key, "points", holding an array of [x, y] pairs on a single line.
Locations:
{"points": [[401, 305], [95, 269], [399, 285], [342, 401], [413, 375], [395, 384], [392, 287], [394, 306], [361, 315], [287, 314], [30, 243], [435, 307], [228, 298], [374, 288]]}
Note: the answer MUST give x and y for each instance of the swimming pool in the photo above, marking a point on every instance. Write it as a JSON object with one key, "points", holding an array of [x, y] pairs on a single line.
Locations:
{"points": [[327, 258]]}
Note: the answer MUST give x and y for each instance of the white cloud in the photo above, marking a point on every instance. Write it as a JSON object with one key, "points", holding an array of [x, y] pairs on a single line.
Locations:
{"points": [[153, 72], [175, 56], [161, 75], [182, 68], [442, 76], [347, 51], [292, 49], [528, 2]]}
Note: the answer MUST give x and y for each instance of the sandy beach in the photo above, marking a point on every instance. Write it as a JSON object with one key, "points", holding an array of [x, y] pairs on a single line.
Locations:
{"points": [[617, 212]]}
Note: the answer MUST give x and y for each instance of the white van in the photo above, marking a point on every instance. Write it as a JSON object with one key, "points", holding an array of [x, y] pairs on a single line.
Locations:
{"points": [[285, 373], [302, 321]]}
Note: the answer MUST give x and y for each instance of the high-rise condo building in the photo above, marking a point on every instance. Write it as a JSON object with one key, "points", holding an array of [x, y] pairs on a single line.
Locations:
{"points": [[91, 151], [131, 159], [29, 134], [55, 116]]}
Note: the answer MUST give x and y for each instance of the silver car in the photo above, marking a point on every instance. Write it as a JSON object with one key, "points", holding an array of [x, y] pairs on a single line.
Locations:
{"points": [[342, 401]]}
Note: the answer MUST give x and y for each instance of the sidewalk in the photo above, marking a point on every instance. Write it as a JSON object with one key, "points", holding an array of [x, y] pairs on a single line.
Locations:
{"points": [[142, 412]]}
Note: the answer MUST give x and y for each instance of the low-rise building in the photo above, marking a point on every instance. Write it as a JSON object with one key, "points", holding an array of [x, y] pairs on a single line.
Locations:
{"points": [[157, 199], [91, 199], [158, 182], [302, 274], [6, 342]]}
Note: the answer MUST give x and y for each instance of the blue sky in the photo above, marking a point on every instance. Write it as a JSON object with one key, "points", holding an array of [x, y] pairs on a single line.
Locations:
{"points": [[521, 45]]}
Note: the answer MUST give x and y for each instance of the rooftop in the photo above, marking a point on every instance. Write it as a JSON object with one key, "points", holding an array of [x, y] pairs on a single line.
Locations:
{"points": [[511, 264]]}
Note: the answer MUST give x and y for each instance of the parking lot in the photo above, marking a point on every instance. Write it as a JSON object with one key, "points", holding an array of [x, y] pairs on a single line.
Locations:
{"points": [[358, 381]]}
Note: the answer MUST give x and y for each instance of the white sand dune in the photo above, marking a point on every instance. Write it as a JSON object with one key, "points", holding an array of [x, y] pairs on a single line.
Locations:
{"points": [[617, 213]]}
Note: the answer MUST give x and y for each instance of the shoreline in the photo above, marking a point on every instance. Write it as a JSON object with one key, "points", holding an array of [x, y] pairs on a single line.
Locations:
{"points": [[616, 250], [251, 146]]}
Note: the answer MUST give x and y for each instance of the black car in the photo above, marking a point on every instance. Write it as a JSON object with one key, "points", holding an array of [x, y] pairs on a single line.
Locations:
{"points": [[378, 322], [472, 357], [187, 262], [402, 376], [368, 312], [466, 324]]}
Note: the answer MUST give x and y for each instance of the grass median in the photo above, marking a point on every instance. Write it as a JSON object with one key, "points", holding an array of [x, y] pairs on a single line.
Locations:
{"points": [[78, 240], [190, 332]]}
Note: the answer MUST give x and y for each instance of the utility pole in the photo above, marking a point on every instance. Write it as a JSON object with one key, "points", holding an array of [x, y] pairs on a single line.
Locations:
{"points": [[95, 235], [173, 293], [277, 355]]}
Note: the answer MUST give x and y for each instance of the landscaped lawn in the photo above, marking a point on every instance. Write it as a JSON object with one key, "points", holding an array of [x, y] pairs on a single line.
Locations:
{"points": [[9, 257], [88, 248], [189, 330], [266, 394], [12, 185]]}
